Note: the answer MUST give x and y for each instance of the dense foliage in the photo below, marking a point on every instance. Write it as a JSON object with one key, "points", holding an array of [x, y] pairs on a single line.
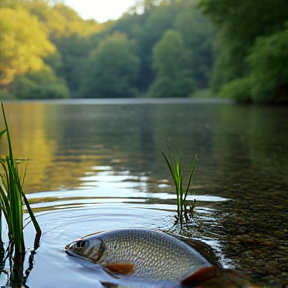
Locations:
{"points": [[158, 48], [174, 73], [112, 69], [23, 45], [252, 55]]}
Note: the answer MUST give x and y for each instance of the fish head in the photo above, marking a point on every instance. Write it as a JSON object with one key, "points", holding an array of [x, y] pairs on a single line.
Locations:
{"points": [[92, 249]]}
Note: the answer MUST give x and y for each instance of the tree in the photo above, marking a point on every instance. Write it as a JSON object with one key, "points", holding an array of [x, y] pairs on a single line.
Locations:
{"points": [[268, 59], [198, 35], [69, 33], [268, 76], [59, 20], [148, 28], [112, 69], [245, 20], [155, 23], [23, 44], [41, 84], [240, 24], [73, 51], [171, 62], [146, 5], [8, 3]]}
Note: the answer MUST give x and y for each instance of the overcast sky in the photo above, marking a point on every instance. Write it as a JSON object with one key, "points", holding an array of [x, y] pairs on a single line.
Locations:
{"points": [[100, 10]]}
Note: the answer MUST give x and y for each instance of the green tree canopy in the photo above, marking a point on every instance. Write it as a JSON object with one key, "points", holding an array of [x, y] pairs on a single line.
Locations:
{"points": [[78, 44], [249, 37], [245, 20], [59, 20], [40, 84], [171, 62], [23, 44], [73, 53], [269, 70], [112, 69], [268, 76], [148, 28], [69, 33], [170, 54], [198, 35]]}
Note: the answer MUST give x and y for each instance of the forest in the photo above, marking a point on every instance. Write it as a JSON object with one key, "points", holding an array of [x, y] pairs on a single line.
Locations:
{"points": [[169, 48]]}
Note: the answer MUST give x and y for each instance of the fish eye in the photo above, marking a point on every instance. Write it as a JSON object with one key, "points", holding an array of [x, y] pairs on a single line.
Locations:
{"points": [[82, 243]]}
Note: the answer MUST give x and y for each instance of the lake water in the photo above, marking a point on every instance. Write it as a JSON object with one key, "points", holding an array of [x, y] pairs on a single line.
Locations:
{"points": [[97, 164]]}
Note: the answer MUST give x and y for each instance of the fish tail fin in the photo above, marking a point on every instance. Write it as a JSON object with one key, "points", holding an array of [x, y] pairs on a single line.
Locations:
{"points": [[200, 276], [214, 277]]}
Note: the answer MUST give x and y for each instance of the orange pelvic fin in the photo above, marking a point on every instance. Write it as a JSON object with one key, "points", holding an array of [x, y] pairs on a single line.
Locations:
{"points": [[124, 268]]}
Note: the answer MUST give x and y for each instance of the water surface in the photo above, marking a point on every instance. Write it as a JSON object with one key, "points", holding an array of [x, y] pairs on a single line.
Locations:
{"points": [[96, 165]]}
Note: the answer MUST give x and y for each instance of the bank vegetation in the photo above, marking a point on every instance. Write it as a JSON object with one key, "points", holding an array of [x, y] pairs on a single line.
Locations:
{"points": [[168, 48]]}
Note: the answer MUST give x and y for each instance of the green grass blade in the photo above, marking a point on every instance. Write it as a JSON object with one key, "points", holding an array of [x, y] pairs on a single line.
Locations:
{"points": [[31, 214], [8, 136], [12, 195], [171, 168], [2, 133], [175, 169], [190, 177]]}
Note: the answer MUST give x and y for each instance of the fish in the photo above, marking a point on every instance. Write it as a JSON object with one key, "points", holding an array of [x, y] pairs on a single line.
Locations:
{"points": [[139, 253], [150, 258]]}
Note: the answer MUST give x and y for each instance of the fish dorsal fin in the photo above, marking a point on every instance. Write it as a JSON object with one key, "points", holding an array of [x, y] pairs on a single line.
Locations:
{"points": [[124, 268]]}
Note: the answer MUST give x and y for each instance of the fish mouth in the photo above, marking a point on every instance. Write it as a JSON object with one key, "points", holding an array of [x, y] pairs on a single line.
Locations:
{"points": [[71, 252], [68, 246], [90, 255]]}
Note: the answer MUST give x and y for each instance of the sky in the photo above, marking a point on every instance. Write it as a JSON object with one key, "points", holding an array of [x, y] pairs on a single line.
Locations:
{"points": [[100, 10]]}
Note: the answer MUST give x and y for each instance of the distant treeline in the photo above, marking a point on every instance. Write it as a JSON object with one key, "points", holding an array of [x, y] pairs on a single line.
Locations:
{"points": [[48, 51], [251, 57], [157, 49]]}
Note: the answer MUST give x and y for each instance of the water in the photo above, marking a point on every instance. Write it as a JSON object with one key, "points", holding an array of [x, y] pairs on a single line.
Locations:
{"points": [[96, 165]]}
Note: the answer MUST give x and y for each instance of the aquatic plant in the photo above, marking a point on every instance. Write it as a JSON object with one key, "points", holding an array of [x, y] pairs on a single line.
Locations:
{"points": [[12, 197], [185, 208]]}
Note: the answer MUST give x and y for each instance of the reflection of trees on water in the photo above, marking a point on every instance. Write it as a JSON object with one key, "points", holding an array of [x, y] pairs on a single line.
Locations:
{"points": [[63, 142]]}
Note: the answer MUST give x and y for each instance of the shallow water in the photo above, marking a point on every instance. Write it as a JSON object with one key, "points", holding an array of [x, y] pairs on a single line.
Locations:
{"points": [[96, 165]]}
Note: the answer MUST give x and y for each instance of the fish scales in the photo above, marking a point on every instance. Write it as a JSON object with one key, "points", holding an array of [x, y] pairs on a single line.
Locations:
{"points": [[155, 255], [158, 254]]}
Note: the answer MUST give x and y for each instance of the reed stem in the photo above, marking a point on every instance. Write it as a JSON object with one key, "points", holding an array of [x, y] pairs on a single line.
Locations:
{"points": [[184, 207], [12, 195]]}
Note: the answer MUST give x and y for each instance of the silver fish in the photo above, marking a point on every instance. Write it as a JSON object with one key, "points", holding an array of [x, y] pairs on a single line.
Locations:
{"points": [[142, 254]]}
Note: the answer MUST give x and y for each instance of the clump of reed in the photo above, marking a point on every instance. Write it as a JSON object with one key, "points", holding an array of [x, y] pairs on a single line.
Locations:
{"points": [[185, 208], [12, 197]]}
